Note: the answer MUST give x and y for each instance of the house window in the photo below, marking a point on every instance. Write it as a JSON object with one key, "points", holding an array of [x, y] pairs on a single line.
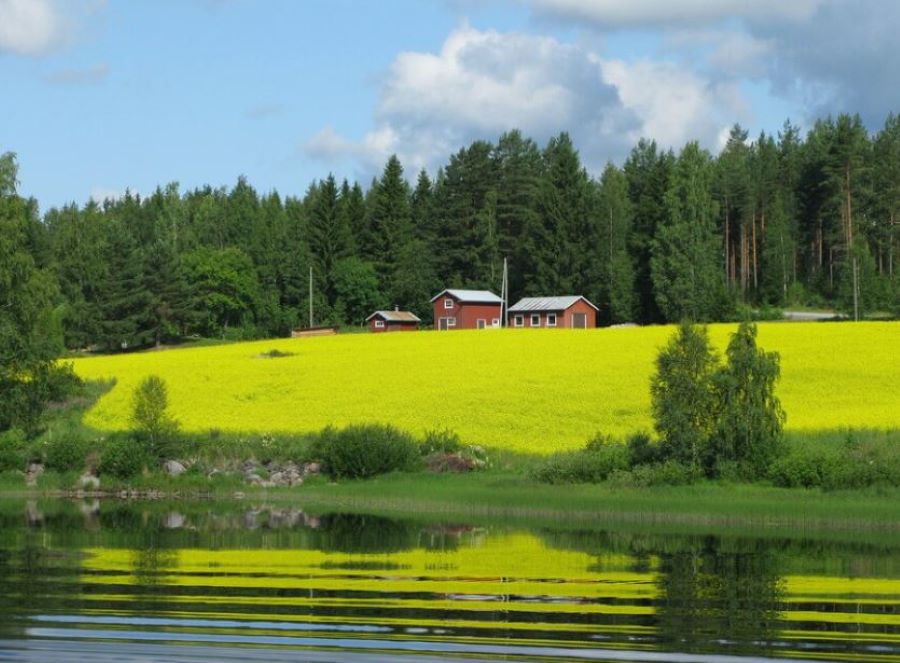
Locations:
{"points": [[451, 322], [495, 322], [379, 324], [535, 319], [551, 319], [519, 321], [448, 303], [481, 323]]}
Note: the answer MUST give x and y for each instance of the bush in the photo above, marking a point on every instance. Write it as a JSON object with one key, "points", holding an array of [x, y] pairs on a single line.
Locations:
{"points": [[64, 454], [359, 452], [123, 458], [13, 450], [593, 464], [642, 450], [441, 441]]}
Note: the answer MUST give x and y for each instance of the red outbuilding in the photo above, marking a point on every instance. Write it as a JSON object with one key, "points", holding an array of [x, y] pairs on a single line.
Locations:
{"points": [[466, 309], [568, 312], [385, 321]]}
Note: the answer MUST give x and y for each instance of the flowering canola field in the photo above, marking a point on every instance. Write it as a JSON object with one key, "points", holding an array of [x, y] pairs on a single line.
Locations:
{"points": [[530, 390]]}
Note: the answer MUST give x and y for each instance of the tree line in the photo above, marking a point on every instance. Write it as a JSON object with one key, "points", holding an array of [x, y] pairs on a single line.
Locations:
{"points": [[775, 221]]}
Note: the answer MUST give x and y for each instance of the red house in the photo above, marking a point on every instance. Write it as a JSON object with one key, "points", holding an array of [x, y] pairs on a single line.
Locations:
{"points": [[466, 309], [385, 321], [569, 312]]}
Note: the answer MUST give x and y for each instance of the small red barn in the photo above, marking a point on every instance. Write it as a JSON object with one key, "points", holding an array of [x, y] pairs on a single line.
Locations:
{"points": [[385, 321], [466, 309], [568, 312]]}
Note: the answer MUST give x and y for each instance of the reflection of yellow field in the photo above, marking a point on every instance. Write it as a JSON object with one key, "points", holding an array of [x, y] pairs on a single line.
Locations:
{"points": [[470, 585], [532, 390]]}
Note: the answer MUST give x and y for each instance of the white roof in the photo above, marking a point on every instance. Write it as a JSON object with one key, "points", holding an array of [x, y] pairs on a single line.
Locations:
{"points": [[470, 296], [547, 303], [396, 316]]}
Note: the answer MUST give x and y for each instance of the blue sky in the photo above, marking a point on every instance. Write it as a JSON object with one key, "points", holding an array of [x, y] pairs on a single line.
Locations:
{"points": [[102, 96]]}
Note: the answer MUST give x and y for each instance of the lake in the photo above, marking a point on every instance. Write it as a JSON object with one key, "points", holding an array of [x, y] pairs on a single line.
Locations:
{"points": [[120, 581]]}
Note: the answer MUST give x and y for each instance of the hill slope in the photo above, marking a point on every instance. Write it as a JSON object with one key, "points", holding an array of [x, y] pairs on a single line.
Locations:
{"points": [[536, 390]]}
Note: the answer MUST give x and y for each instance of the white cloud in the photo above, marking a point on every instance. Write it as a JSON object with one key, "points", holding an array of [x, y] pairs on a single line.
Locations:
{"points": [[483, 83], [675, 105], [30, 27], [100, 194], [643, 13]]}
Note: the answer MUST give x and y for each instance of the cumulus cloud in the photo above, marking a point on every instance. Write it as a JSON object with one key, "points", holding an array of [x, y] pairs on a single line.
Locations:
{"points": [[482, 83], [30, 27], [828, 56]]}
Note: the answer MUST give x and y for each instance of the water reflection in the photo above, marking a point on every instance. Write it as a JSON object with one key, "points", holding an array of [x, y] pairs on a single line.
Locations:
{"points": [[277, 578]]}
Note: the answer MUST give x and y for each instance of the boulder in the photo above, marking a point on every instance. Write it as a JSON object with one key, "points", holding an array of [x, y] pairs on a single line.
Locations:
{"points": [[89, 482], [173, 468]]}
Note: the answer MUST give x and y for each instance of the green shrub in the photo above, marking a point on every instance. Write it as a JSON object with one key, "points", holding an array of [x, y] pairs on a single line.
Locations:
{"points": [[65, 454], [642, 450], [123, 458], [13, 450], [799, 470], [441, 441], [363, 451], [592, 464]]}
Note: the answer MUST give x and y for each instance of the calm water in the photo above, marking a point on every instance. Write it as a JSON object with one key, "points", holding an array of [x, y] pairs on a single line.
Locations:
{"points": [[112, 581]]}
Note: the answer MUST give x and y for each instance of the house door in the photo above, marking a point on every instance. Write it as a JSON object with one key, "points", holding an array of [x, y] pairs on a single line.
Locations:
{"points": [[579, 320], [481, 324], [444, 324]]}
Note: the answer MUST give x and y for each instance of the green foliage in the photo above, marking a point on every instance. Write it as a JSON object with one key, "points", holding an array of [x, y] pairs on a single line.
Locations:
{"points": [[65, 454], [441, 441], [123, 458], [359, 452], [684, 261], [683, 398], [600, 458], [750, 416], [13, 450], [859, 461], [150, 420], [28, 343], [355, 284]]}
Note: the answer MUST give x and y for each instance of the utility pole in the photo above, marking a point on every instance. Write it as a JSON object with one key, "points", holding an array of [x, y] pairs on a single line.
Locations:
{"points": [[504, 294], [310, 297]]}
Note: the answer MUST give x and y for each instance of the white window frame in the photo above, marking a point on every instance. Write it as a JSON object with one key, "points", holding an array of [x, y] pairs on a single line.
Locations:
{"points": [[495, 322], [551, 319], [379, 324], [481, 323], [518, 320], [451, 321], [531, 320], [448, 303]]}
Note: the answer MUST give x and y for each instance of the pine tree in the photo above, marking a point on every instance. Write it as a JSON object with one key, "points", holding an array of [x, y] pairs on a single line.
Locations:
{"points": [[328, 235], [614, 274]]}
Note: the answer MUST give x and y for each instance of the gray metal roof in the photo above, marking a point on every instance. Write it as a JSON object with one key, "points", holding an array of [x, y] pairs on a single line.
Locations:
{"points": [[470, 296], [396, 316], [528, 304]]}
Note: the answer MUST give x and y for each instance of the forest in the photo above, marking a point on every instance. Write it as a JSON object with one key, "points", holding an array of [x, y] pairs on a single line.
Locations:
{"points": [[777, 221]]}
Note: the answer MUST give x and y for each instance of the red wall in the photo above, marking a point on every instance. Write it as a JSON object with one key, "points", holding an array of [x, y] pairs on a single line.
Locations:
{"points": [[392, 326], [466, 315], [563, 318]]}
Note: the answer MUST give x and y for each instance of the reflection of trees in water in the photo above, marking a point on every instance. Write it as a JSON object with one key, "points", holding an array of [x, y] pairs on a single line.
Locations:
{"points": [[714, 594]]}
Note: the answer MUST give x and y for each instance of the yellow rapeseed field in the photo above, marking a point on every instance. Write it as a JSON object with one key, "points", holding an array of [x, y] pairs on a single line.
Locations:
{"points": [[530, 390]]}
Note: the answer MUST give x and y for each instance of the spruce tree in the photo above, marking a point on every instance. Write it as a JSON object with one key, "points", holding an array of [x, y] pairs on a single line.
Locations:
{"points": [[685, 256]]}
